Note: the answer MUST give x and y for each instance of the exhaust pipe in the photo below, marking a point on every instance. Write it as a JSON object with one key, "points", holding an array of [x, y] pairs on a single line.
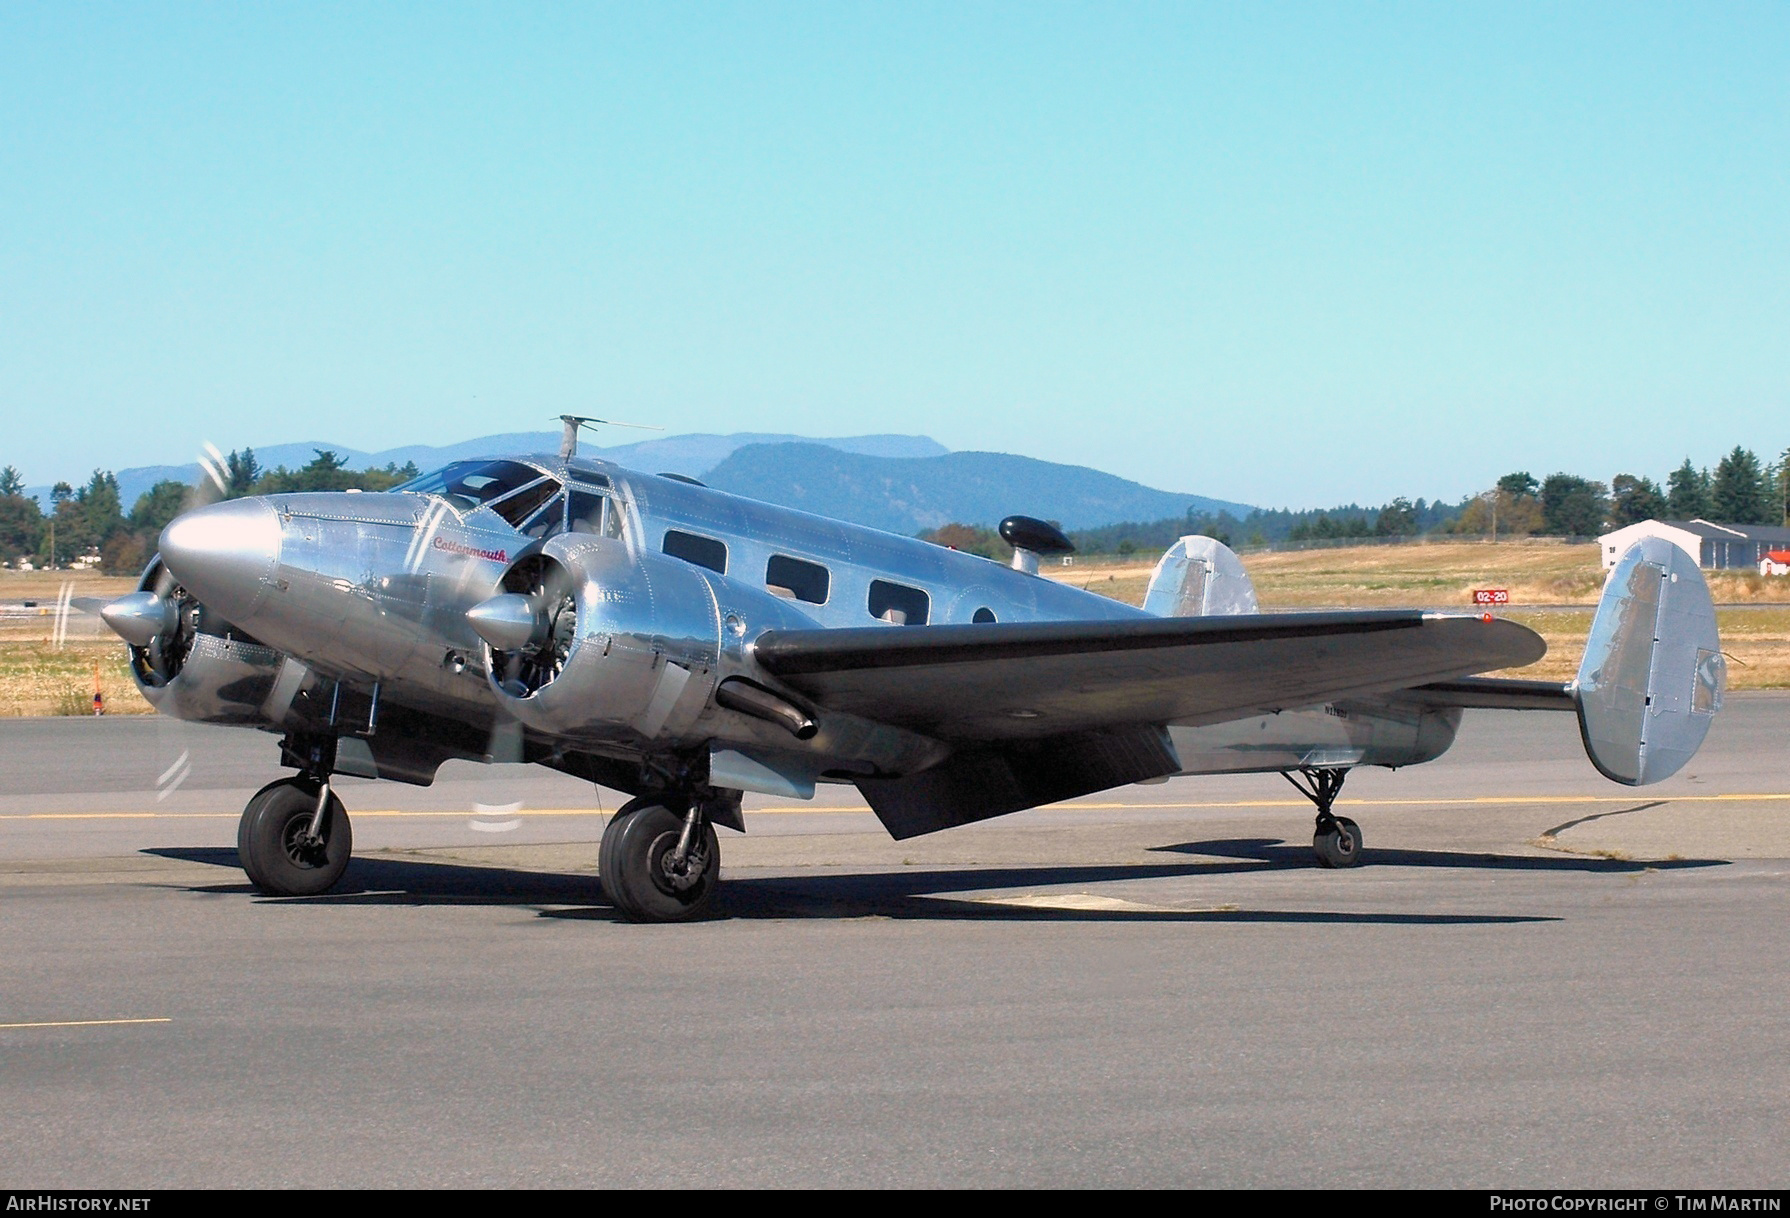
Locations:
{"points": [[748, 698]]}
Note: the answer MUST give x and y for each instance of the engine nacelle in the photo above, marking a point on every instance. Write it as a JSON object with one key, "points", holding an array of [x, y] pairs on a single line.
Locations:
{"points": [[588, 640], [191, 663]]}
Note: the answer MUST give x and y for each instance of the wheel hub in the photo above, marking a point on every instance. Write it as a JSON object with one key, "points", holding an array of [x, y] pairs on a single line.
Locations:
{"points": [[301, 848], [672, 874]]}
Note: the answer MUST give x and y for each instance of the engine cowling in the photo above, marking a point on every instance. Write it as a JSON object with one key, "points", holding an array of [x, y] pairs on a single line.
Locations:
{"points": [[187, 661], [585, 639]]}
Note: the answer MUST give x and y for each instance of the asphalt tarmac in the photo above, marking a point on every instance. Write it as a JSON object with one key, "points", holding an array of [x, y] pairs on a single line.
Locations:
{"points": [[1536, 979]]}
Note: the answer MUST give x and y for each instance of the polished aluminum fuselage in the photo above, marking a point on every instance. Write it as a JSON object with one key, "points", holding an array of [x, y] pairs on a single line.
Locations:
{"points": [[369, 593]]}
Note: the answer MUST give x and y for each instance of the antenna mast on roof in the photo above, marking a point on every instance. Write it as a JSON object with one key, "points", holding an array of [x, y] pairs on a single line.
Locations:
{"points": [[568, 440]]}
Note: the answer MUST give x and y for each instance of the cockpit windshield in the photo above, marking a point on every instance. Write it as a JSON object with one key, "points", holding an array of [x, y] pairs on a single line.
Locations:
{"points": [[468, 484]]}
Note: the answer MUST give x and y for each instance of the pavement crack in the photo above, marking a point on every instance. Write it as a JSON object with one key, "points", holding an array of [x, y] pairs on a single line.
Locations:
{"points": [[1550, 838], [1557, 830]]}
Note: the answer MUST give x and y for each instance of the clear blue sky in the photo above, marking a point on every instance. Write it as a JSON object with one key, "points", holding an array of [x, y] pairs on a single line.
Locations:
{"points": [[1286, 254]]}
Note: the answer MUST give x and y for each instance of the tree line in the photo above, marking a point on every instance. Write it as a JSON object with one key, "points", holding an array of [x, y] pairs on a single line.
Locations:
{"points": [[91, 519], [1741, 489]]}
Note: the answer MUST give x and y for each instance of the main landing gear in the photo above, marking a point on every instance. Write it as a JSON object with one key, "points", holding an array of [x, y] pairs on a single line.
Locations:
{"points": [[1337, 841], [294, 839], [660, 859]]}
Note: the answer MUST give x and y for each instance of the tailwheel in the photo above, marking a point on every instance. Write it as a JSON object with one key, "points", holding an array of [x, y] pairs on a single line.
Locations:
{"points": [[657, 864], [1337, 840], [294, 839], [1337, 844]]}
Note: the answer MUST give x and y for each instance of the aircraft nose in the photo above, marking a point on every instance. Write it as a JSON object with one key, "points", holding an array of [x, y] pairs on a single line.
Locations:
{"points": [[225, 554]]}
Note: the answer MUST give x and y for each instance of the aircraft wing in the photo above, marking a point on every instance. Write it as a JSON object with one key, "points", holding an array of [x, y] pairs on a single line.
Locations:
{"points": [[1037, 712], [1031, 680]]}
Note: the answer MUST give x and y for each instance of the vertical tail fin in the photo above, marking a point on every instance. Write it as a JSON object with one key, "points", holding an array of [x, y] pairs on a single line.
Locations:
{"points": [[1653, 674], [1199, 577]]}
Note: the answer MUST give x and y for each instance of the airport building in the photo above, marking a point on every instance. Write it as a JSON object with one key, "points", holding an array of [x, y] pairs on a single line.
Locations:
{"points": [[1716, 547]]}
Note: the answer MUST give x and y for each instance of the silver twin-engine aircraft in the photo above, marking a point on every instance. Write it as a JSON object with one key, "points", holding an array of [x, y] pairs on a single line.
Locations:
{"points": [[684, 645]]}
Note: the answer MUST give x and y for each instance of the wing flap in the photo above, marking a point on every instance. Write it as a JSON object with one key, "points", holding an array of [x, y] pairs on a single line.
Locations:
{"points": [[1033, 680], [982, 780]]}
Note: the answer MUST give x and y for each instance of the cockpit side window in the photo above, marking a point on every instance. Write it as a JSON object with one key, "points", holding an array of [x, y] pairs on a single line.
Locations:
{"points": [[520, 506], [548, 521], [467, 484], [585, 512]]}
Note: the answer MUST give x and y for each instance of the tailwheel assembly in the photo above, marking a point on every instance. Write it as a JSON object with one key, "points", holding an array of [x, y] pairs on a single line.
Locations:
{"points": [[1337, 839]]}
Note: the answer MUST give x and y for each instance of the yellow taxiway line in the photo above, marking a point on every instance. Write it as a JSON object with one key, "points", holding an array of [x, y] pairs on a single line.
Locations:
{"points": [[1115, 806], [80, 1023]]}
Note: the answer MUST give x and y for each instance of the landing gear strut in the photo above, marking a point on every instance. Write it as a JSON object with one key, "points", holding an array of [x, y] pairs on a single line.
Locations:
{"points": [[660, 860], [1337, 840]]}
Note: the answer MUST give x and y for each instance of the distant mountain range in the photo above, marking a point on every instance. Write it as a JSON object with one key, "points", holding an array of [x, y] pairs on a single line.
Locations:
{"points": [[900, 483], [906, 495], [690, 455]]}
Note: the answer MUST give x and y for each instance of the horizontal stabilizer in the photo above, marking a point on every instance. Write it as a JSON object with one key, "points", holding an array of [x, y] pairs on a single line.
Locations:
{"points": [[1495, 693], [1653, 674]]}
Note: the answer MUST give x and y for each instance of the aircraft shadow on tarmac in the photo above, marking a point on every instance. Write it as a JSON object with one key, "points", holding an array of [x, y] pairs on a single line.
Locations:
{"points": [[1267, 853], [918, 894]]}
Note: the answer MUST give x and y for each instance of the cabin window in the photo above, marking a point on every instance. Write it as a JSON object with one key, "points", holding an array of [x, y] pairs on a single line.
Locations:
{"points": [[520, 506], [803, 581], [984, 615], [702, 551], [898, 604]]}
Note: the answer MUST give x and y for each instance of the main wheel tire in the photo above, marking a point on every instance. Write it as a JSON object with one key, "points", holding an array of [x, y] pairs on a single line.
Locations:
{"points": [[634, 866], [1338, 845], [270, 840], [607, 868]]}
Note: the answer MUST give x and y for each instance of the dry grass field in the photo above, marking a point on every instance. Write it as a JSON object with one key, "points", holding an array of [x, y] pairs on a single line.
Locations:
{"points": [[39, 678], [1441, 575], [1547, 582], [1553, 588]]}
